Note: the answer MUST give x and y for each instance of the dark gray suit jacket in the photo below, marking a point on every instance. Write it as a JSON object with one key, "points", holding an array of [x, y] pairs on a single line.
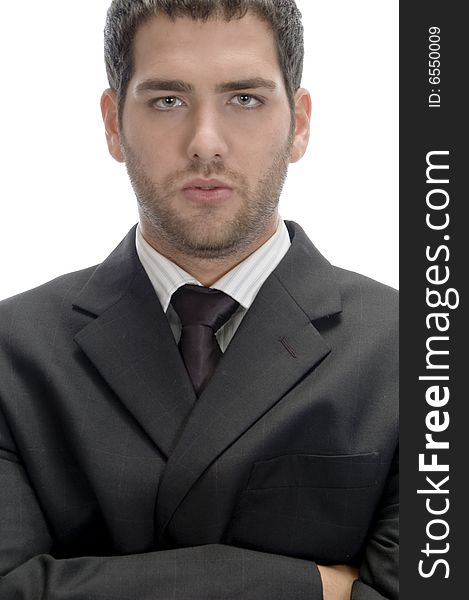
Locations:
{"points": [[115, 483]]}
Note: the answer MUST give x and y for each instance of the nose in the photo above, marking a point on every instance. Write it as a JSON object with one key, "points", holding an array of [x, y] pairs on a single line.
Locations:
{"points": [[207, 140]]}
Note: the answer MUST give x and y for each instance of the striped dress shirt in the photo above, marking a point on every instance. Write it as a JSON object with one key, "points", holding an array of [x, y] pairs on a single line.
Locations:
{"points": [[242, 283]]}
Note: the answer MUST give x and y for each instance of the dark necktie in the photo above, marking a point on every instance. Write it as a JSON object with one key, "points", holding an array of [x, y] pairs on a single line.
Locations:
{"points": [[202, 312]]}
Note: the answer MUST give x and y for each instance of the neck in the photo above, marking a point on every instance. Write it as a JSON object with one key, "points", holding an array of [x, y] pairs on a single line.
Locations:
{"points": [[206, 270]]}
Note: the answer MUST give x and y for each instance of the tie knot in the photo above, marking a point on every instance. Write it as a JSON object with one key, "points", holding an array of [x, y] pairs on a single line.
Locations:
{"points": [[197, 305]]}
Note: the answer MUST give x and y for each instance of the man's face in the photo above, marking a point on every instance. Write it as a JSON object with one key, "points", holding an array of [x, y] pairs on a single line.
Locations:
{"points": [[206, 134]]}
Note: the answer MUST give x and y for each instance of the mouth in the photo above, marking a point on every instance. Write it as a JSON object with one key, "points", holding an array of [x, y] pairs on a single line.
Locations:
{"points": [[206, 184], [207, 190]]}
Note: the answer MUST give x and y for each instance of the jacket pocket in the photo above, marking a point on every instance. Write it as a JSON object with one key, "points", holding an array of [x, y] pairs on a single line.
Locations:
{"points": [[311, 506]]}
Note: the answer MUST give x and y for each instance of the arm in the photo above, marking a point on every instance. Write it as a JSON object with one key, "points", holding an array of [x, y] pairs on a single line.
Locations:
{"points": [[218, 571], [379, 568], [197, 573], [28, 570], [215, 571]]}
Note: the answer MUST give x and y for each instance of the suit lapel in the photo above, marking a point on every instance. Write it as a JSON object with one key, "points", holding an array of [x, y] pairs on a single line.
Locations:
{"points": [[275, 346], [131, 344]]}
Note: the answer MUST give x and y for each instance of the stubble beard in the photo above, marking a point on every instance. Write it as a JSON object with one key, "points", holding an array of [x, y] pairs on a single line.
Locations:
{"points": [[206, 234]]}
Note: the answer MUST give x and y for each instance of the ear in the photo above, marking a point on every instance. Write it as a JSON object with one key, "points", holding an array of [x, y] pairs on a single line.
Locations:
{"points": [[302, 121], [111, 123]]}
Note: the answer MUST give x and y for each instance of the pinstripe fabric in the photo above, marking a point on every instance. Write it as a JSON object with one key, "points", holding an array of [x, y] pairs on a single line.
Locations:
{"points": [[241, 283], [114, 483]]}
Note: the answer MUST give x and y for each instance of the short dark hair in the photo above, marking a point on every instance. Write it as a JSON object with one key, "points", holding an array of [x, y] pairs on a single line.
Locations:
{"points": [[125, 16]]}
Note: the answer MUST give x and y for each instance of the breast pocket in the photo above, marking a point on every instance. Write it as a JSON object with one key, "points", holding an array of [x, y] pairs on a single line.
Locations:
{"points": [[310, 506]]}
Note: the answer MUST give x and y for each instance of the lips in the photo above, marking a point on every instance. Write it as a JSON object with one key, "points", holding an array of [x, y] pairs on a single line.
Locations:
{"points": [[207, 191], [206, 184]]}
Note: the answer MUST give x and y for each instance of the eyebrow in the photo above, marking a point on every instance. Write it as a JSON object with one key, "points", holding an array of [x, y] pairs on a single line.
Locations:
{"points": [[243, 84], [177, 85], [169, 85]]}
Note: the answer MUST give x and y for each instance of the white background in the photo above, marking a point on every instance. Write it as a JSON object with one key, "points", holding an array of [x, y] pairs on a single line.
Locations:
{"points": [[65, 204]]}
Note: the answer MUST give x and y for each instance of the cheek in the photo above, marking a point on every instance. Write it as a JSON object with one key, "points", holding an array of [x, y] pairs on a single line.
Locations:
{"points": [[152, 153], [147, 135], [259, 154]]}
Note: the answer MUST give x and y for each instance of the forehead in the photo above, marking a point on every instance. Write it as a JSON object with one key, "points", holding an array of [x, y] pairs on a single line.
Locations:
{"points": [[215, 47]]}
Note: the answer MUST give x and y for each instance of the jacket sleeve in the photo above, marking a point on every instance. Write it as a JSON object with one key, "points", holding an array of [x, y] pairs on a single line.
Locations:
{"points": [[379, 571], [28, 571]]}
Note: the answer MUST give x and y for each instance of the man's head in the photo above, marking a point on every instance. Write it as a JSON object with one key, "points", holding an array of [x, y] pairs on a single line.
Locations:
{"points": [[206, 111], [125, 17]]}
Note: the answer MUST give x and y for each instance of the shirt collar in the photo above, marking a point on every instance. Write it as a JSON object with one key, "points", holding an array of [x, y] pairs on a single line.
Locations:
{"points": [[242, 283]]}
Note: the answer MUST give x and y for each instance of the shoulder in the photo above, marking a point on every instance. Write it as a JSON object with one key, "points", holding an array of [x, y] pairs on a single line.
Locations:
{"points": [[369, 295], [57, 296], [35, 308], [324, 290], [370, 313]]}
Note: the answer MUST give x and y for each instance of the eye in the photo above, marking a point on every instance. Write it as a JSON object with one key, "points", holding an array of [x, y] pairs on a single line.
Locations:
{"points": [[246, 101], [167, 102]]}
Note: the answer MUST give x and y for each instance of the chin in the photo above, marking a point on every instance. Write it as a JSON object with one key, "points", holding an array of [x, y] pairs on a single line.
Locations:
{"points": [[216, 242]]}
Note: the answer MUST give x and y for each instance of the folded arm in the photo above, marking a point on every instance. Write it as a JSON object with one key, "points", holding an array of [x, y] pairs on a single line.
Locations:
{"points": [[30, 572]]}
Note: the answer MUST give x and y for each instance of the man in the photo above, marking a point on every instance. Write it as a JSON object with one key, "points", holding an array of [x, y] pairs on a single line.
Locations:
{"points": [[143, 457]]}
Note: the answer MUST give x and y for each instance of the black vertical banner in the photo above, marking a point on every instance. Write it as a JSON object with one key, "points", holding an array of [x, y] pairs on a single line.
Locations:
{"points": [[434, 258]]}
